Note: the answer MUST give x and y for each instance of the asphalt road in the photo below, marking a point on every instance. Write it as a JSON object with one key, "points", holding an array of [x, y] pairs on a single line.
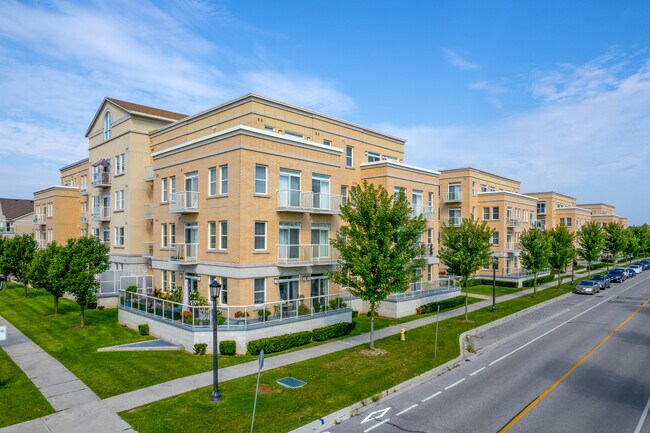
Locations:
{"points": [[581, 364]]}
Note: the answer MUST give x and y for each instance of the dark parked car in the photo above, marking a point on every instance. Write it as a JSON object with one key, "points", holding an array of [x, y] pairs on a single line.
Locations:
{"points": [[617, 275], [602, 280], [631, 272], [645, 264], [588, 287]]}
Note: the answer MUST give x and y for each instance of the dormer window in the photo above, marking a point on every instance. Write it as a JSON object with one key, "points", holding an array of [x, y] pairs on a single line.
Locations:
{"points": [[107, 125]]}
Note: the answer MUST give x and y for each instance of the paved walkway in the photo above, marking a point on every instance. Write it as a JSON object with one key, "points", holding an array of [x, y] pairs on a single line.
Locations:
{"points": [[84, 412]]}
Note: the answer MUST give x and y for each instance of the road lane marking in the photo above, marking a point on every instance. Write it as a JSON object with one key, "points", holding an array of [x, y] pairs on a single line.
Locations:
{"points": [[376, 425], [477, 371], [454, 384], [431, 396], [643, 416], [559, 326], [375, 415], [406, 410], [543, 395]]}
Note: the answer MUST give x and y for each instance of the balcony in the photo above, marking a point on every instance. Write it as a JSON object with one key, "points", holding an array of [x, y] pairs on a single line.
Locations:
{"points": [[148, 211], [184, 202], [41, 244], [184, 253], [453, 221], [148, 250], [512, 246], [148, 173], [293, 200], [540, 224], [305, 254], [101, 179], [513, 222], [83, 217], [102, 213], [427, 249], [83, 189], [451, 197], [541, 211], [425, 211], [39, 219]]}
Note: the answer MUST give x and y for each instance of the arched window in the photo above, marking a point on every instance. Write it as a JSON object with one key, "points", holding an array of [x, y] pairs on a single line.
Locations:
{"points": [[107, 126]]}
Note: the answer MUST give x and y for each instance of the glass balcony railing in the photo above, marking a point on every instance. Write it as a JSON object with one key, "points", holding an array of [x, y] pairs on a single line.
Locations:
{"points": [[184, 202], [308, 201], [306, 253], [101, 179], [451, 197], [184, 253]]}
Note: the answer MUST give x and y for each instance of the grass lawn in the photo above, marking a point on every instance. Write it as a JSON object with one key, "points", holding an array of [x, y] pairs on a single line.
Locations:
{"points": [[106, 373], [20, 400], [333, 381], [485, 289]]}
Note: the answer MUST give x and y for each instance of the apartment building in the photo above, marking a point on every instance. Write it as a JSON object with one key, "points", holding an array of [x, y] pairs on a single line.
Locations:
{"points": [[470, 192], [555, 209], [604, 213], [16, 217]]}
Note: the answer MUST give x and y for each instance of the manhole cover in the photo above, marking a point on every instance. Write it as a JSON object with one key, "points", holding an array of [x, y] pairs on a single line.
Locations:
{"points": [[290, 382]]}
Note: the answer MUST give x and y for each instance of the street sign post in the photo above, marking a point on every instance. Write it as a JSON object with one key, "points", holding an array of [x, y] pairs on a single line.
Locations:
{"points": [[3, 333]]}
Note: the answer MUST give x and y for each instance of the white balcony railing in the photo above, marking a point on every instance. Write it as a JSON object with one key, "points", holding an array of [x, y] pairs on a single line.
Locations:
{"points": [[39, 218], [425, 211], [306, 253], [83, 189], [101, 179], [83, 217], [148, 173], [513, 222], [185, 253], [184, 202], [512, 246], [148, 249], [451, 196], [307, 201], [102, 213], [427, 249], [148, 211]]}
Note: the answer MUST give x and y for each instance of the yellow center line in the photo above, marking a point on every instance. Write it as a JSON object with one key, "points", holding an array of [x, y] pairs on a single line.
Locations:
{"points": [[541, 397]]}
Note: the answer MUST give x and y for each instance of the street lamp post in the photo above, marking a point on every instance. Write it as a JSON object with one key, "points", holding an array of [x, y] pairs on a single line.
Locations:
{"points": [[495, 263], [215, 288], [2, 281]]}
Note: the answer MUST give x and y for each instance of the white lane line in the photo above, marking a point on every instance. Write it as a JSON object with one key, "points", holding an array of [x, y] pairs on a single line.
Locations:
{"points": [[431, 396], [477, 371], [560, 325], [643, 416], [376, 425], [406, 410], [454, 384]]}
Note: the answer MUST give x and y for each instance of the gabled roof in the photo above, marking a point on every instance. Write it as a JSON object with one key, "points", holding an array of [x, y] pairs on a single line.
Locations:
{"points": [[13, 208], [137, 109]]}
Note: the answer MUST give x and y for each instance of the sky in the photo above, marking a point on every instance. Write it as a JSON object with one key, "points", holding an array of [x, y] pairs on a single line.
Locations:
{"points": [[555, 94]]}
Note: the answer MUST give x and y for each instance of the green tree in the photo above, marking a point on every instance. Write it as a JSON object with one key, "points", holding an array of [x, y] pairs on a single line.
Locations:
{"points": [[615, 240], [379, 246], [40, 276], [591, 241], [535, 252], [465, 249], [17, 255], [82, 259], [562, 250], [643, 235], [631, 244]]}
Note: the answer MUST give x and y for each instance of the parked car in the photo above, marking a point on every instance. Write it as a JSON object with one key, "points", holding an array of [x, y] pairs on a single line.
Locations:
{"points": [[631, 272], [637, 268], [617, 275], [625, 271], [602, 280], [588, 287], [645, 264]]}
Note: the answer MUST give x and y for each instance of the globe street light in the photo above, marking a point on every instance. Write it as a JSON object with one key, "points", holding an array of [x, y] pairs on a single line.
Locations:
{"points": [[215, 289]]}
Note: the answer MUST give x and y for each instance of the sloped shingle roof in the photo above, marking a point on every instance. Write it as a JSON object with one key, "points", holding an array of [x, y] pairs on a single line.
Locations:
{"points": [[13, 208], [130, 106]]}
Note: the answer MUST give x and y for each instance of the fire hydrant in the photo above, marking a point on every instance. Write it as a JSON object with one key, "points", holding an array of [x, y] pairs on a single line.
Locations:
{"points": [[403, 336]]}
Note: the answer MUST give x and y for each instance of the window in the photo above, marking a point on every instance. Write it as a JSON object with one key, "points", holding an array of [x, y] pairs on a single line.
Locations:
{"points": [[495, 213], [327, 143], [486, 213], [224, 290], [66, 183], [320, 239], [568, 222], [260, 179], [119, 236], [495, 238], [119, 164], [163, 235], [164, 196], [483, 188], [492, 189], [213, 181], [119, 200], [107, 125], [429, 273], [223, 172], [172, 233], [223, 235], [260, 235], [348, 156], [269, 128], [473, 188], [454, 216], [212, 235], [172, 184], [172, 279], [430, 200], [561, 221], [293, 134], [373, 157], [344, 195], [397, 191], [541, 208], [473, 212], [164, 280], [430, 236], [260, 291], [50, 210]]}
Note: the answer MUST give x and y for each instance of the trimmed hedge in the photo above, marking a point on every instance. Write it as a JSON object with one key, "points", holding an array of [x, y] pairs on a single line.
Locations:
{"points": [[540, 280], [143, 329], [227, 347], [333, 331], [278, 344], [482, 281], [432, 307]]}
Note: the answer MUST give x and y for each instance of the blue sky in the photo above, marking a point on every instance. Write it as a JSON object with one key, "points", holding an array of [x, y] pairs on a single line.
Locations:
{"points": [[554, 93]]}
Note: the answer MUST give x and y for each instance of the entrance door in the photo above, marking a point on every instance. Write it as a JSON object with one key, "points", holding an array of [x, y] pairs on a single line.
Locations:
{"points": [[191, 283], [289, 292], [191, 190]]}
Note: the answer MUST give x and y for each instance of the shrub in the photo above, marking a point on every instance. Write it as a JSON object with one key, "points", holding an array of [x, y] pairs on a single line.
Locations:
{"points": [[239, 314], [432, 307], [175, 294], [143, 329], [220, 319], [227, 347], [199, 348], [540, 280], [337, 303], [100, 308], [303, 310], [355, 313], [485, 281], [278, 344], [333, 331], [264, 314], [132, 289]]}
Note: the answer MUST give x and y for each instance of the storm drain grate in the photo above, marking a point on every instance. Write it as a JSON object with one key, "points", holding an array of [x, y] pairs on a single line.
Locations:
{"points": [[290, 382]]}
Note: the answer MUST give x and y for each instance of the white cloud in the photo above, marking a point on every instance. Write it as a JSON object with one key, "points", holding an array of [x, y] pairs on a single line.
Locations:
{"points": [[456, 60], [491, 89]]}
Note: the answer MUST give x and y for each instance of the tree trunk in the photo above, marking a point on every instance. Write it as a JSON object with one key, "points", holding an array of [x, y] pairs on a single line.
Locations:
{"points": [[559, 277], [372, 326], [25, 286], [466, 299], [83, 319], [56, 305], [535, 285], [589, 269]]}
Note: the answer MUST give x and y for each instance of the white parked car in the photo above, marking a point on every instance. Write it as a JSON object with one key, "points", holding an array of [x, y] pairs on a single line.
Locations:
{"points": [[637, 268]]}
